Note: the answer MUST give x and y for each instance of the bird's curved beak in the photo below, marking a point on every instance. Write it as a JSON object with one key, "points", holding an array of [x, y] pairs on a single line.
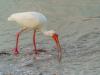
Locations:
{"points": [[56, 40]]}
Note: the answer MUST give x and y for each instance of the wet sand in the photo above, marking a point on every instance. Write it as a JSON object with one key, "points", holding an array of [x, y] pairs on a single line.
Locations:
{"points": [[76, 22]]}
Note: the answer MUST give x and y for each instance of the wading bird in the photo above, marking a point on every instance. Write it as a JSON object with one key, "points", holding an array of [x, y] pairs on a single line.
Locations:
{"points": [[37, 22]]}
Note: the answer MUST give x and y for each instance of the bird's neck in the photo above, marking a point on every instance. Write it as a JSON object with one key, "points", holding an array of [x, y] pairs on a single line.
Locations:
{"points": [[48, 33], [45, 32]]}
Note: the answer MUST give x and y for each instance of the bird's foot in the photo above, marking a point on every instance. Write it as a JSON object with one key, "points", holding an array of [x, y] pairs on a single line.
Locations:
{"points": [[41, 50], [15, 51], [38, 51], [42, 54]]}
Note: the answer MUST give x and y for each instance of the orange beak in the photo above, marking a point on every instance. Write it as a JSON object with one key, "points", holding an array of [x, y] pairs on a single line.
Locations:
{"points": [[56, 40]]}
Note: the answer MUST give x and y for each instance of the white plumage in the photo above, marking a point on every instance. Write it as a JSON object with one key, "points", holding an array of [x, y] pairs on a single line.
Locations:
{"points": [[33, 21], [29, 19]]}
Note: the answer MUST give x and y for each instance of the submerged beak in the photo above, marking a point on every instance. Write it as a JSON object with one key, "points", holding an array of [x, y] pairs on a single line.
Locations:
{"points": [[56, 40]]}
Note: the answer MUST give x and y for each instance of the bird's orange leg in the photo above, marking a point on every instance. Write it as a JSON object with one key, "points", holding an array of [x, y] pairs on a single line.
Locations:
{"points": [[37, 51], [34, 42], [16, 50]]}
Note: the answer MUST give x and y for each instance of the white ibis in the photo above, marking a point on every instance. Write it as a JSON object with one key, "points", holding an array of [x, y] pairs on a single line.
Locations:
{"points": [[37, 22]]}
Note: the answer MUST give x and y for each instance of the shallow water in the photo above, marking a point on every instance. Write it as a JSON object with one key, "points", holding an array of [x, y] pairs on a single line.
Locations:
{"points": [[77, 23]]}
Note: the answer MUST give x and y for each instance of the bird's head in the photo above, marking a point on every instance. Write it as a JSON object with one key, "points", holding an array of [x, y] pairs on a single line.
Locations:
{"points": [[52, 34]]}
